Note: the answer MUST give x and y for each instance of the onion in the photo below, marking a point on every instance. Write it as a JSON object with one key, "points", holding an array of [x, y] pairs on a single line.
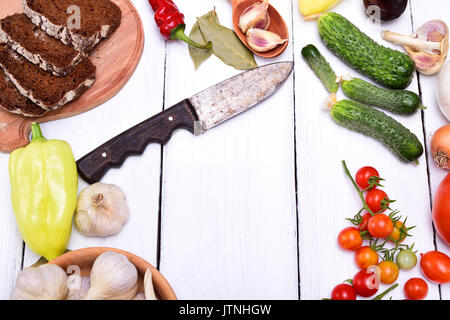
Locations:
{"points": [[440, 147]]}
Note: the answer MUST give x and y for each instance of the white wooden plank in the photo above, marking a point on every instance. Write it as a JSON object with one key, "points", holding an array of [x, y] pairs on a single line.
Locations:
{"points": [[433, 118], [139, 177], [10, 239], [326, 196], [228, 219]]}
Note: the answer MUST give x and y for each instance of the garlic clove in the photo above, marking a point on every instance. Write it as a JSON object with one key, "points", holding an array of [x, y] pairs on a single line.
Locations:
{"points": [[101, 211], [78, 287], [113, 277], [428, 46], [46, 282], [262, 40], [149, 290], [255, 16]]}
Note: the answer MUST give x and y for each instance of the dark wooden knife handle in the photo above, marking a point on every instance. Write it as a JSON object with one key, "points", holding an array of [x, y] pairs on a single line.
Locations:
{"points": [[158, 129]]}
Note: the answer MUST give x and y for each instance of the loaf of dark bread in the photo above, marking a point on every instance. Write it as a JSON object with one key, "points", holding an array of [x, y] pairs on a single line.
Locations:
{"points": [[97, 18], [46, 90], [37, 46], [12, 101]]}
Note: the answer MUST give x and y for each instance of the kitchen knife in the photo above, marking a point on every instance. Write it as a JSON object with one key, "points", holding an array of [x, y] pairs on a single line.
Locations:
{"points": [[196, 114]]}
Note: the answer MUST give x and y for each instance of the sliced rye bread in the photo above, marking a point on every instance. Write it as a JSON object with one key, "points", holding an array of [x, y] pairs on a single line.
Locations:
{"points": [[37, 46], [12, 101], [99, 18], [46, 90]]}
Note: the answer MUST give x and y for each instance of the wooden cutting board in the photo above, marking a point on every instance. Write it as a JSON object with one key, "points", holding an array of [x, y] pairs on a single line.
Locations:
{"points": [[116, 60]]}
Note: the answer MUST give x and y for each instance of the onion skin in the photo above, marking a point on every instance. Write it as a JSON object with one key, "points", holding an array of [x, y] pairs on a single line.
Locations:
{"points": [[441, 210], [440, 147]]}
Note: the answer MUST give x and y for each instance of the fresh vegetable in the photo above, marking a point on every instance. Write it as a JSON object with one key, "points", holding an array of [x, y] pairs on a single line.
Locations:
{"points": [[321, 67], [390, 68], [350, 239], [428, 46], [435, 266], [406, 259], [343, 291], [367, 178], [102, 210], [149, 289], [395, 101], [388, 272], [380, 226], [385, 10], [311, 8], [440, 147], [442, 92], [374, 123], [377, 200], [44, 183], [261, 40], [416, 289], [399, 233], [255, 16], [366, 283], [171, 22], [365, 222], [441, 209], [366, 257]]}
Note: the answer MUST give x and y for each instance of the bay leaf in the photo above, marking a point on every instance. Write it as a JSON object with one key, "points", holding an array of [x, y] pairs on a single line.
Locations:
{"points": [[226, 45], [199, 56]]}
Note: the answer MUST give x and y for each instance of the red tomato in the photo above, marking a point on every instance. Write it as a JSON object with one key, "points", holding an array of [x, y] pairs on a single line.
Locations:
{"points": [[343, 291], [365, 221], [363, 176], [374, 198], [388, 272], [397, 234], [366, 283], [350, 239], [441, 210], [380, 226], [366, 257], [416, 289], [435, 266]]}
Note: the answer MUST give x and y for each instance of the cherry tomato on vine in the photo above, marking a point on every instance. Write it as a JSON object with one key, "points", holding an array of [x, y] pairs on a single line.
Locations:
{"points": [[380, 226], [365, 221], [388, 272], [416, 289], [363, 176], [374, 199], [350, 239], [343, 291], [398, 234], [366, 257], [365, 283], [406, 259]]}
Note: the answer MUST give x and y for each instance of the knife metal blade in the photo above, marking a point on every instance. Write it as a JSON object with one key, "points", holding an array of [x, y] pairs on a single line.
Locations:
{"points": [[197, 114]]}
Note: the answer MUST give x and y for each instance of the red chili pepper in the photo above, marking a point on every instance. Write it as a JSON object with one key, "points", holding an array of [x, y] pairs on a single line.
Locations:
{"points": [[171, 22]]}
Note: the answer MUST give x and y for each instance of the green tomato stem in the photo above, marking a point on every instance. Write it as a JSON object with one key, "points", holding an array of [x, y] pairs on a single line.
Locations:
{"points": [[360, 193], [381, 295]]}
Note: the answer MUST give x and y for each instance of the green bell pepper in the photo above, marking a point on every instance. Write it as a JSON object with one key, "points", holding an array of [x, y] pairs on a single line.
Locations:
{"points": [[44, 185]]}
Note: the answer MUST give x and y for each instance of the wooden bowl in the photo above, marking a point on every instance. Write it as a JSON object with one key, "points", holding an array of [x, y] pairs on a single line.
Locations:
{"points": [[84, 259], [277, 25]]}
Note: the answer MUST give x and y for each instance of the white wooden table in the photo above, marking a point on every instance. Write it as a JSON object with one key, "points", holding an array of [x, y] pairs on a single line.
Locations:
{"points": [[251, 209]]}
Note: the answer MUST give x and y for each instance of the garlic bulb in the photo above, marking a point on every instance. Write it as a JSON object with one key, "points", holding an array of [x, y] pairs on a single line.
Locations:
{"points": [[149, 290], [46, 282], [113, 277], [78, 287], [139, 296], [255, 16], [102, 210], [262, 40]]}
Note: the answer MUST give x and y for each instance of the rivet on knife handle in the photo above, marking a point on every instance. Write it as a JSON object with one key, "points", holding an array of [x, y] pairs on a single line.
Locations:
{"points": [[158, 129]]}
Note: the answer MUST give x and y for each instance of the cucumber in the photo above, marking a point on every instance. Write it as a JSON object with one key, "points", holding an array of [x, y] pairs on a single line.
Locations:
{"points": [[374, 123], [396, 101], [321, 67], [390, 68]]}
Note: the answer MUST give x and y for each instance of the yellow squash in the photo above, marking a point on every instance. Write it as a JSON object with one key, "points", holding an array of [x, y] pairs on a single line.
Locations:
{"points": [[313, 7], [44, 183]]}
